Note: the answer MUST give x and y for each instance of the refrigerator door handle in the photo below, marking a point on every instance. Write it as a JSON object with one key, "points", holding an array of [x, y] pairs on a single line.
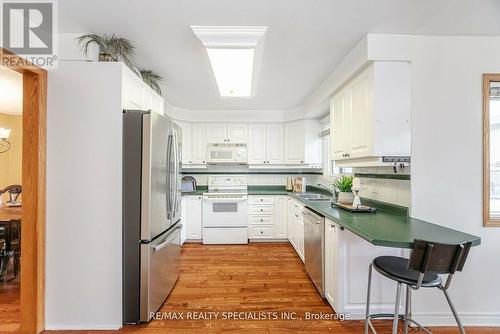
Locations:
{"points": [[168, 192], [176, 172], [168, 240]]}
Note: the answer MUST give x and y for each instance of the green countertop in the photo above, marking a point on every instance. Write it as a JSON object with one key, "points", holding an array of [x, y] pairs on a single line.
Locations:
{"points": [[388, 228]]}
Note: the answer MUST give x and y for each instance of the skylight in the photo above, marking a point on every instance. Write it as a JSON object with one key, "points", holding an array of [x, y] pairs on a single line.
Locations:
{"points": [[231, 51], [233, 70]]}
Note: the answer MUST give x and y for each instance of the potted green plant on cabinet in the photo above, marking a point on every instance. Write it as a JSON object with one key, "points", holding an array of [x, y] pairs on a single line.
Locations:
{"points": [[111, 48]]}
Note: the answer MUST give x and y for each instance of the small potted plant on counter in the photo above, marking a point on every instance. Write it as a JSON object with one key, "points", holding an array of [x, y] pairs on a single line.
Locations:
{"points": [[343, 185]]}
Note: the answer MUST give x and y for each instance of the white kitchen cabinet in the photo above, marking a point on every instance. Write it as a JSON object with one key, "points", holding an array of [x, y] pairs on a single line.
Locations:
{"points": [[157, 103], [194, 226], [216, 132], [227, 133], [291, 220], [256, 144], [275, 144], [266, 144], [193, 143], [134, 91], [296, 226], [280, 217], [187, 142], [261, 217], [331, 264], [303, 143], [370, 116], [347, 257], [199, 144], [139, 96], [339, 143], [184, 209], [237, 133], [300, 237]]}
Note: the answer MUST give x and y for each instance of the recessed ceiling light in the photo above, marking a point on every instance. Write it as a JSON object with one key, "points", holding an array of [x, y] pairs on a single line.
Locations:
{"points": [[231, 51], [233, 70]]}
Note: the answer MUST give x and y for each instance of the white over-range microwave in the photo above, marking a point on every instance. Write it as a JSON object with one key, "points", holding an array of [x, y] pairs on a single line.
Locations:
{"points": [[227, 153]]}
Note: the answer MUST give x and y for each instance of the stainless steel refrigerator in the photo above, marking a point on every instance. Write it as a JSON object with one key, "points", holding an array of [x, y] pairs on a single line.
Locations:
{"points": [[151, 212]]}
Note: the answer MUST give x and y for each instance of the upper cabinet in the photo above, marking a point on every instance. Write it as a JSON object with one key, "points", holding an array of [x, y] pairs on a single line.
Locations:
{"points": [[137, 95], [227, 133], [133, 91], [199, 144], [187, 140], [265, 144], [370, 116], [303, 143], [193, 143], [294, 144]]}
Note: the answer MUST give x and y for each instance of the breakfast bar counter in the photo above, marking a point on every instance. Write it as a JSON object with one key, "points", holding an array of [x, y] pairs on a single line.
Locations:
{"points": [[389, 226]]}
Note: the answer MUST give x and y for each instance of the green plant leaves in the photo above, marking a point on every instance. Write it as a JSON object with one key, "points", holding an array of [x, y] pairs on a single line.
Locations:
{"points": [[343, 183], [120, 49]]}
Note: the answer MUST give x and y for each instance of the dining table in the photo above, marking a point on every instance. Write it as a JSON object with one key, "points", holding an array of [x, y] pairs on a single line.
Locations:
{"points": [[10, 220]]}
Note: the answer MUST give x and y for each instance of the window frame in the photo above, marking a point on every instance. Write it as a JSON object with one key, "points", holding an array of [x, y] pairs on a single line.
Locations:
{"points": [[488, 220]]}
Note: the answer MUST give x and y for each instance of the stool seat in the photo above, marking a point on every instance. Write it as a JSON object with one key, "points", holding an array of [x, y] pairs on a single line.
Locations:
{"points": [[396, 268]]}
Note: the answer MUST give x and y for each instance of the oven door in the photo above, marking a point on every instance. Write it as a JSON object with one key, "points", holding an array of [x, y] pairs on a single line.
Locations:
{"points": [[225, 212]]}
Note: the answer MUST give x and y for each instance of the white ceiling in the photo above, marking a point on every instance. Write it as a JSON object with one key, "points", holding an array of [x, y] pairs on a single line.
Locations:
{"points": [[11, 91], [305, 39]]}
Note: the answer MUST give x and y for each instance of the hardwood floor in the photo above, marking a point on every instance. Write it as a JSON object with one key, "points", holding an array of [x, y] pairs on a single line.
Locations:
{"points": [[248, 278], [10, 310]]}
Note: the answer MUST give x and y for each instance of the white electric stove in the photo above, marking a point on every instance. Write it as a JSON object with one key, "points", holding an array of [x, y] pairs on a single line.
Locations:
{"points": [[225, 210]]}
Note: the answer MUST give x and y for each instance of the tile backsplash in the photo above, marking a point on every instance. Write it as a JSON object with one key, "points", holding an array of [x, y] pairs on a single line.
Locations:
{"points": [[395, 191]]}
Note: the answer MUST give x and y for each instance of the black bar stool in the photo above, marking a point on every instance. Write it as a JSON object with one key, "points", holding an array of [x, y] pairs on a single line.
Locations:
{"points": [[428, 259]]}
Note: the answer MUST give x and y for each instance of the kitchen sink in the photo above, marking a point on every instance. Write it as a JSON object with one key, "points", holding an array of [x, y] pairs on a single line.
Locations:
{"points": [[314, 197]]}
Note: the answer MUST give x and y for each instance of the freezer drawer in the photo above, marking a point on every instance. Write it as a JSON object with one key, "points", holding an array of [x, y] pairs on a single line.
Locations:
{"points": [[159, 271]]}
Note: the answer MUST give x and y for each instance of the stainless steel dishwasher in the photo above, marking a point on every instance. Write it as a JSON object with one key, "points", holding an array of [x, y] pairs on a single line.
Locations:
{"points": [[314, 245]]}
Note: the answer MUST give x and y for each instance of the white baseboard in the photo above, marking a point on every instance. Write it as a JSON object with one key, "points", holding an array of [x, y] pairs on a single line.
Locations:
{"points": [[436, 319], [468, 319], [61, 327]]}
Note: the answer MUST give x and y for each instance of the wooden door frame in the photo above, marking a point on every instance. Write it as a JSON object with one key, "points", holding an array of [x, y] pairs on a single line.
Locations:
{"points": [[488, 221], [33, 182]]}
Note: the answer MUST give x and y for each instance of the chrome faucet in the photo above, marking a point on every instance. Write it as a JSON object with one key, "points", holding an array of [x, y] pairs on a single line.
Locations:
{"points": [[331, 191]]}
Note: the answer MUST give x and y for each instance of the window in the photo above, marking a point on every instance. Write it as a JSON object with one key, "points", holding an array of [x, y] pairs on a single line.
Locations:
{"points": [[329, 168], [491, 149]]}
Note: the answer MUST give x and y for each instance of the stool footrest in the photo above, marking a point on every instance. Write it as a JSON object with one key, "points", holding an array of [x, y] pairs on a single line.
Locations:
{"points": [[391, 316]]}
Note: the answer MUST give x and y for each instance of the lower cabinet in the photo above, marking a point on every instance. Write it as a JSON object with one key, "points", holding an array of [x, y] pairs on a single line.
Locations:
{"points": [[296, 226], [281, 218], [191, 217], [267, 217], [347, 258], [331, 264]]}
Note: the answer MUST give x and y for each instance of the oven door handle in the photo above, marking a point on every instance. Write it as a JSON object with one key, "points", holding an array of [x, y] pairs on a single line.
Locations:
{"points": [[224, 200]]}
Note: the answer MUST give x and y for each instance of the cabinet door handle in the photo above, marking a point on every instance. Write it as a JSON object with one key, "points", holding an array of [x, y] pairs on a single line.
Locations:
{"points": [[301, 161]]}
